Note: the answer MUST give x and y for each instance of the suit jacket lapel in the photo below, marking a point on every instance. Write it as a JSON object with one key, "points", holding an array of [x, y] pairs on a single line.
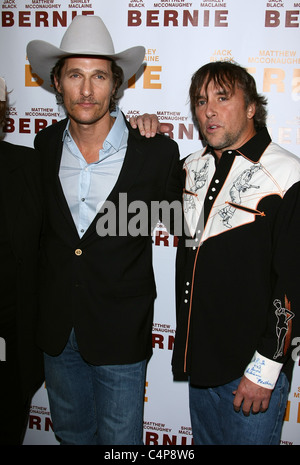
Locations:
{"points": [[131, 168], [58, 190]]}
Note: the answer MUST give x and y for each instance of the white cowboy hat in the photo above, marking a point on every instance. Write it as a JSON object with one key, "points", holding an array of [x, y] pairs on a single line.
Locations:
{"points": [[86, 35]]}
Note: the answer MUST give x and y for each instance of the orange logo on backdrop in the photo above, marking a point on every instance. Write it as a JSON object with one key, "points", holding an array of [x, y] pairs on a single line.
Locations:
{"points": [[32, 79]]}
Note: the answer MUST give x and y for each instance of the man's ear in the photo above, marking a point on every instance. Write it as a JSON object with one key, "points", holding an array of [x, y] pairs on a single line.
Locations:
{"points": [[251, 110], [57, 84]]}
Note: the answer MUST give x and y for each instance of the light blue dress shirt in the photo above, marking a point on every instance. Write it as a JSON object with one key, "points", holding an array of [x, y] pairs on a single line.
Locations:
{"points": [[86, 186]]}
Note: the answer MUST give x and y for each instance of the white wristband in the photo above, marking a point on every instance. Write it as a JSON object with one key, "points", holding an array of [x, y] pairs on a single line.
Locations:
{"points": [[263, 371]]}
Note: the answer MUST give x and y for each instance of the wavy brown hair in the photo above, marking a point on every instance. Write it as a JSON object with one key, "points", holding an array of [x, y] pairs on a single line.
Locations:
{"points": [[226, 76]]}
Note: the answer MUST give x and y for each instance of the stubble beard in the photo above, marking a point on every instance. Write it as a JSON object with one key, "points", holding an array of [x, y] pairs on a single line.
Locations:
{"points": [[229, 140]]}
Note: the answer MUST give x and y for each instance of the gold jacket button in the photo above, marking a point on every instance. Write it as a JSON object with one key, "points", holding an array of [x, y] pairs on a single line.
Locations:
{"points": [[78, 252]]}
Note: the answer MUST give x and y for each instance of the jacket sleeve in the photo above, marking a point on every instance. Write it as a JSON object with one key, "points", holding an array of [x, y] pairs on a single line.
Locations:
{"points": [[174, 193], [282, 337]]}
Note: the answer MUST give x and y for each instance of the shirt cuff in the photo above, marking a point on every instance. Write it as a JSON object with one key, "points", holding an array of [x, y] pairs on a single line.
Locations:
{"points": [[263, 371]]}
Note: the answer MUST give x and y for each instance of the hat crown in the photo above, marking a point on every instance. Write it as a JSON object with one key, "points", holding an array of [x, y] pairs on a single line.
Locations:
{"points": [[87, 34]]}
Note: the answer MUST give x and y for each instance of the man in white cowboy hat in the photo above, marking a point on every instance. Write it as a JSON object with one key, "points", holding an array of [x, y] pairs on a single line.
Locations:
{"points": [[97, 291]]}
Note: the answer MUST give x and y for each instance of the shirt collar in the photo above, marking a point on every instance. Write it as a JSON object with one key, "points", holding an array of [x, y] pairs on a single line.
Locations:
{"points": [[253, 148], [116, 134]]}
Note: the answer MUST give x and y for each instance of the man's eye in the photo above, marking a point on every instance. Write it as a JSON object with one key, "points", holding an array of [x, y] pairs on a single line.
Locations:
{"points": [[200, 103]]}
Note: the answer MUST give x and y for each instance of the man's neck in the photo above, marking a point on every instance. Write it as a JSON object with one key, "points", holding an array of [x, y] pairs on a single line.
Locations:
{"points": [[89, 138]]}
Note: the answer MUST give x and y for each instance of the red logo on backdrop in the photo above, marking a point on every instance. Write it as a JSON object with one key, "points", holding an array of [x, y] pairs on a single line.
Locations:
{"points": [[41, 19], [27, 125], [173, 18], [276, 18]]}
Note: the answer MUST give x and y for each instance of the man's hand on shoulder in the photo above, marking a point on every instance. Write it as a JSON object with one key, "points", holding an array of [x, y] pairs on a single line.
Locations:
{"points": [[148, 125]]}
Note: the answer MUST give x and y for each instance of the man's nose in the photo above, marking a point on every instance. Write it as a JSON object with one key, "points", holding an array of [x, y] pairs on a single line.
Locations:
{"points": [[87, 88], [210, 110]]}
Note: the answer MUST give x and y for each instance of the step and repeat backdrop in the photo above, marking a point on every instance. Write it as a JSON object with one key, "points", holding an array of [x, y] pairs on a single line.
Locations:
{"points": [[179, 37]]}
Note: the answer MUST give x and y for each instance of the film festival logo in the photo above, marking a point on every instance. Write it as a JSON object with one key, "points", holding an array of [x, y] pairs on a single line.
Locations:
{"points": [[138, 219]]}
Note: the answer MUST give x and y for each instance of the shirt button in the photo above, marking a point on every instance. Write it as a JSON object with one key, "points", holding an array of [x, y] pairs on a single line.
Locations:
{"points": [[78, 252], [185, 301], [187, 283], [217, 181], [210, 197]]}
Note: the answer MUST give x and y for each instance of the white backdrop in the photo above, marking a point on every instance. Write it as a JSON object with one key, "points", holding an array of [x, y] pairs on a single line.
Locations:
{"points": [[179, 37]]}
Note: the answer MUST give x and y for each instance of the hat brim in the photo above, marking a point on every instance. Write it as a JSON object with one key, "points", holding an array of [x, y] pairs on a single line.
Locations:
{"points": [[43, 56]]}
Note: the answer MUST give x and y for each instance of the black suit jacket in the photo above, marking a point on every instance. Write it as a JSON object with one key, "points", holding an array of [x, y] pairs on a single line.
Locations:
{"points": [[103, 287], [22, 215]]}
